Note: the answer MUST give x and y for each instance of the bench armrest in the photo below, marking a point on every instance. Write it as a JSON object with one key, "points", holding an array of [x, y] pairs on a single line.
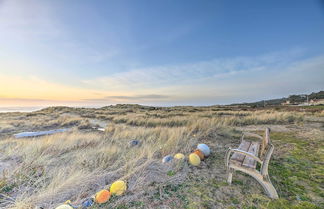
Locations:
{"points": [[247, 154], [229, 151]]}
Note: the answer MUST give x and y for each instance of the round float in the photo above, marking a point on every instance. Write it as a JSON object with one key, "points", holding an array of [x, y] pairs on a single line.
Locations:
{"points": [[88, 203], [199, 153], [167, 158], [134, 142], [179, 156], [194, 159], [65, 206], [204, 149], [118, 187], [102, 196]]}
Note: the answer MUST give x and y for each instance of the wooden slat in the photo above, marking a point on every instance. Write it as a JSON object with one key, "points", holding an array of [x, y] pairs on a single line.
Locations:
{"points": [[265, 142], [254, 149], [244, 146]]}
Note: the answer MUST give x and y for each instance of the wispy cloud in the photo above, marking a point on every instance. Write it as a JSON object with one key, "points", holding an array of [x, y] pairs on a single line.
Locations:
{"points": [[222, 80], [140, 97], [150, 98], [211, 82], [192, 73]]}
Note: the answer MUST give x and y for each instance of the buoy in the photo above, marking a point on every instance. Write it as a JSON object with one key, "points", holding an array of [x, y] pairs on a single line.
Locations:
{"points": [[65, 206], [118, 187], [102, 196], [200, 154], [179, 156], [87, 203], [134, 143], [167, 158], [194, 159], [68, 202], [204, 148]]}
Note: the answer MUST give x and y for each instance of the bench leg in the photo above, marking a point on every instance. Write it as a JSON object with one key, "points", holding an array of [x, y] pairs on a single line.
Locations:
{"points": [[266, 184], [230, 176], [263, 180], [269, 188]]}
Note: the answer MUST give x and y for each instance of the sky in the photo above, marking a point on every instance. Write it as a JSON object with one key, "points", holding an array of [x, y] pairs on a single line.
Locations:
{"points": [[152, 52]]}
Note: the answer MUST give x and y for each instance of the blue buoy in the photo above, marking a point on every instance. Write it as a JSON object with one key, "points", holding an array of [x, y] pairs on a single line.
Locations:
{"points": [[87, 203], [167, 158], [134, 142]]}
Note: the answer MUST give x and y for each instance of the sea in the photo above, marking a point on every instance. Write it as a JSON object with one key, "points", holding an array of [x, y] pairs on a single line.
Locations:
{"points": [[20, 109], [35, 108]]}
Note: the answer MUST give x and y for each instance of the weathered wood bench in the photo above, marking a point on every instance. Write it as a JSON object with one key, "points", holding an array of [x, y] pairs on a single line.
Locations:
{"points": [[246, 157]]}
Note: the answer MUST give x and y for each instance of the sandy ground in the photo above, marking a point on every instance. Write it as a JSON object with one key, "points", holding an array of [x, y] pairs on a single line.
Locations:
{"points": [[98, 123]]}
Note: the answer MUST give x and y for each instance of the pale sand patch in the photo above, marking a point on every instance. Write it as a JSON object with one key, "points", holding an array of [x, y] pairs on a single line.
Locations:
{"points": [[277, 128]]}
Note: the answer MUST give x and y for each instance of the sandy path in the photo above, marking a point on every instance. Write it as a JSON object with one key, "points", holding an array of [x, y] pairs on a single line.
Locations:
{"points": [[277, 128], [100, 123]]}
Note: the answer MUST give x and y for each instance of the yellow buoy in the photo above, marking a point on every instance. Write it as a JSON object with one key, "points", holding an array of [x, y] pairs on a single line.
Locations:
{"points": [[200, 154], [68, 202], [118, 187], [194, 159], [64, 207], [179, 156], [102, 196]]}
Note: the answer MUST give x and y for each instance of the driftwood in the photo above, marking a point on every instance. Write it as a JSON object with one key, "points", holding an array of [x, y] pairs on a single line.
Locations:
{"points": [[38, 133], [246, 157]]}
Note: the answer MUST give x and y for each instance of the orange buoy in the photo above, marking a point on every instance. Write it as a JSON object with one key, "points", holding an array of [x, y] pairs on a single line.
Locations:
{"points": [[102, 196], [200, 154]]}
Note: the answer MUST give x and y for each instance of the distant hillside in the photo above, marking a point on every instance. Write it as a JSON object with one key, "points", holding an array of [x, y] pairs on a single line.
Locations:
{"points": [[293, 100]]}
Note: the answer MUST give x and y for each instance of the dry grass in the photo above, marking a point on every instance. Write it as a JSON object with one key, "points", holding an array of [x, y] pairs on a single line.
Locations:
{"points": [[65, 166], [74, 165]]}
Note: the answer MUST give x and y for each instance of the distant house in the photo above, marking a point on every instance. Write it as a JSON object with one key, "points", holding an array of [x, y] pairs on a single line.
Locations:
{"points": [[303, 104], [287, 102], [316, 102]]}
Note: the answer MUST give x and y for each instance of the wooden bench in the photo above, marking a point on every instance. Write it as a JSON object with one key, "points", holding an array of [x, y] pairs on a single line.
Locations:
{"points": [[246, 157]]}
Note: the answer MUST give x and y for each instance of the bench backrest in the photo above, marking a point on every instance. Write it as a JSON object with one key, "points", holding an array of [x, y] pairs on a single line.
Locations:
{"points": [[266, 152], [265, 142]]}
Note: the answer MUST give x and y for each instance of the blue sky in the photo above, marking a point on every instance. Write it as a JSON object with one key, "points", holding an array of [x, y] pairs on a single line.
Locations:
{"points": [[166, 52]]}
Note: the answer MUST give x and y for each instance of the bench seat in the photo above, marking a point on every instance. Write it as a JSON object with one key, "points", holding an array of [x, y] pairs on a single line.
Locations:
{"points": [[243, 160]]}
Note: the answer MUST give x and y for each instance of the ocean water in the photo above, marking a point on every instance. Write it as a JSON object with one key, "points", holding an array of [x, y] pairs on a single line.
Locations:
{"points": [[19, 109], [31, 109]]}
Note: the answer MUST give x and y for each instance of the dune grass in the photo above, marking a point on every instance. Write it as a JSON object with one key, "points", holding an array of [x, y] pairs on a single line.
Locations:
{"points": [[74, 165]]}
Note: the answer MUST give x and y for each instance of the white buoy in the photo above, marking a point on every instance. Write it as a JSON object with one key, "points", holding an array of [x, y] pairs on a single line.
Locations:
{"points": [[204, 148]]}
